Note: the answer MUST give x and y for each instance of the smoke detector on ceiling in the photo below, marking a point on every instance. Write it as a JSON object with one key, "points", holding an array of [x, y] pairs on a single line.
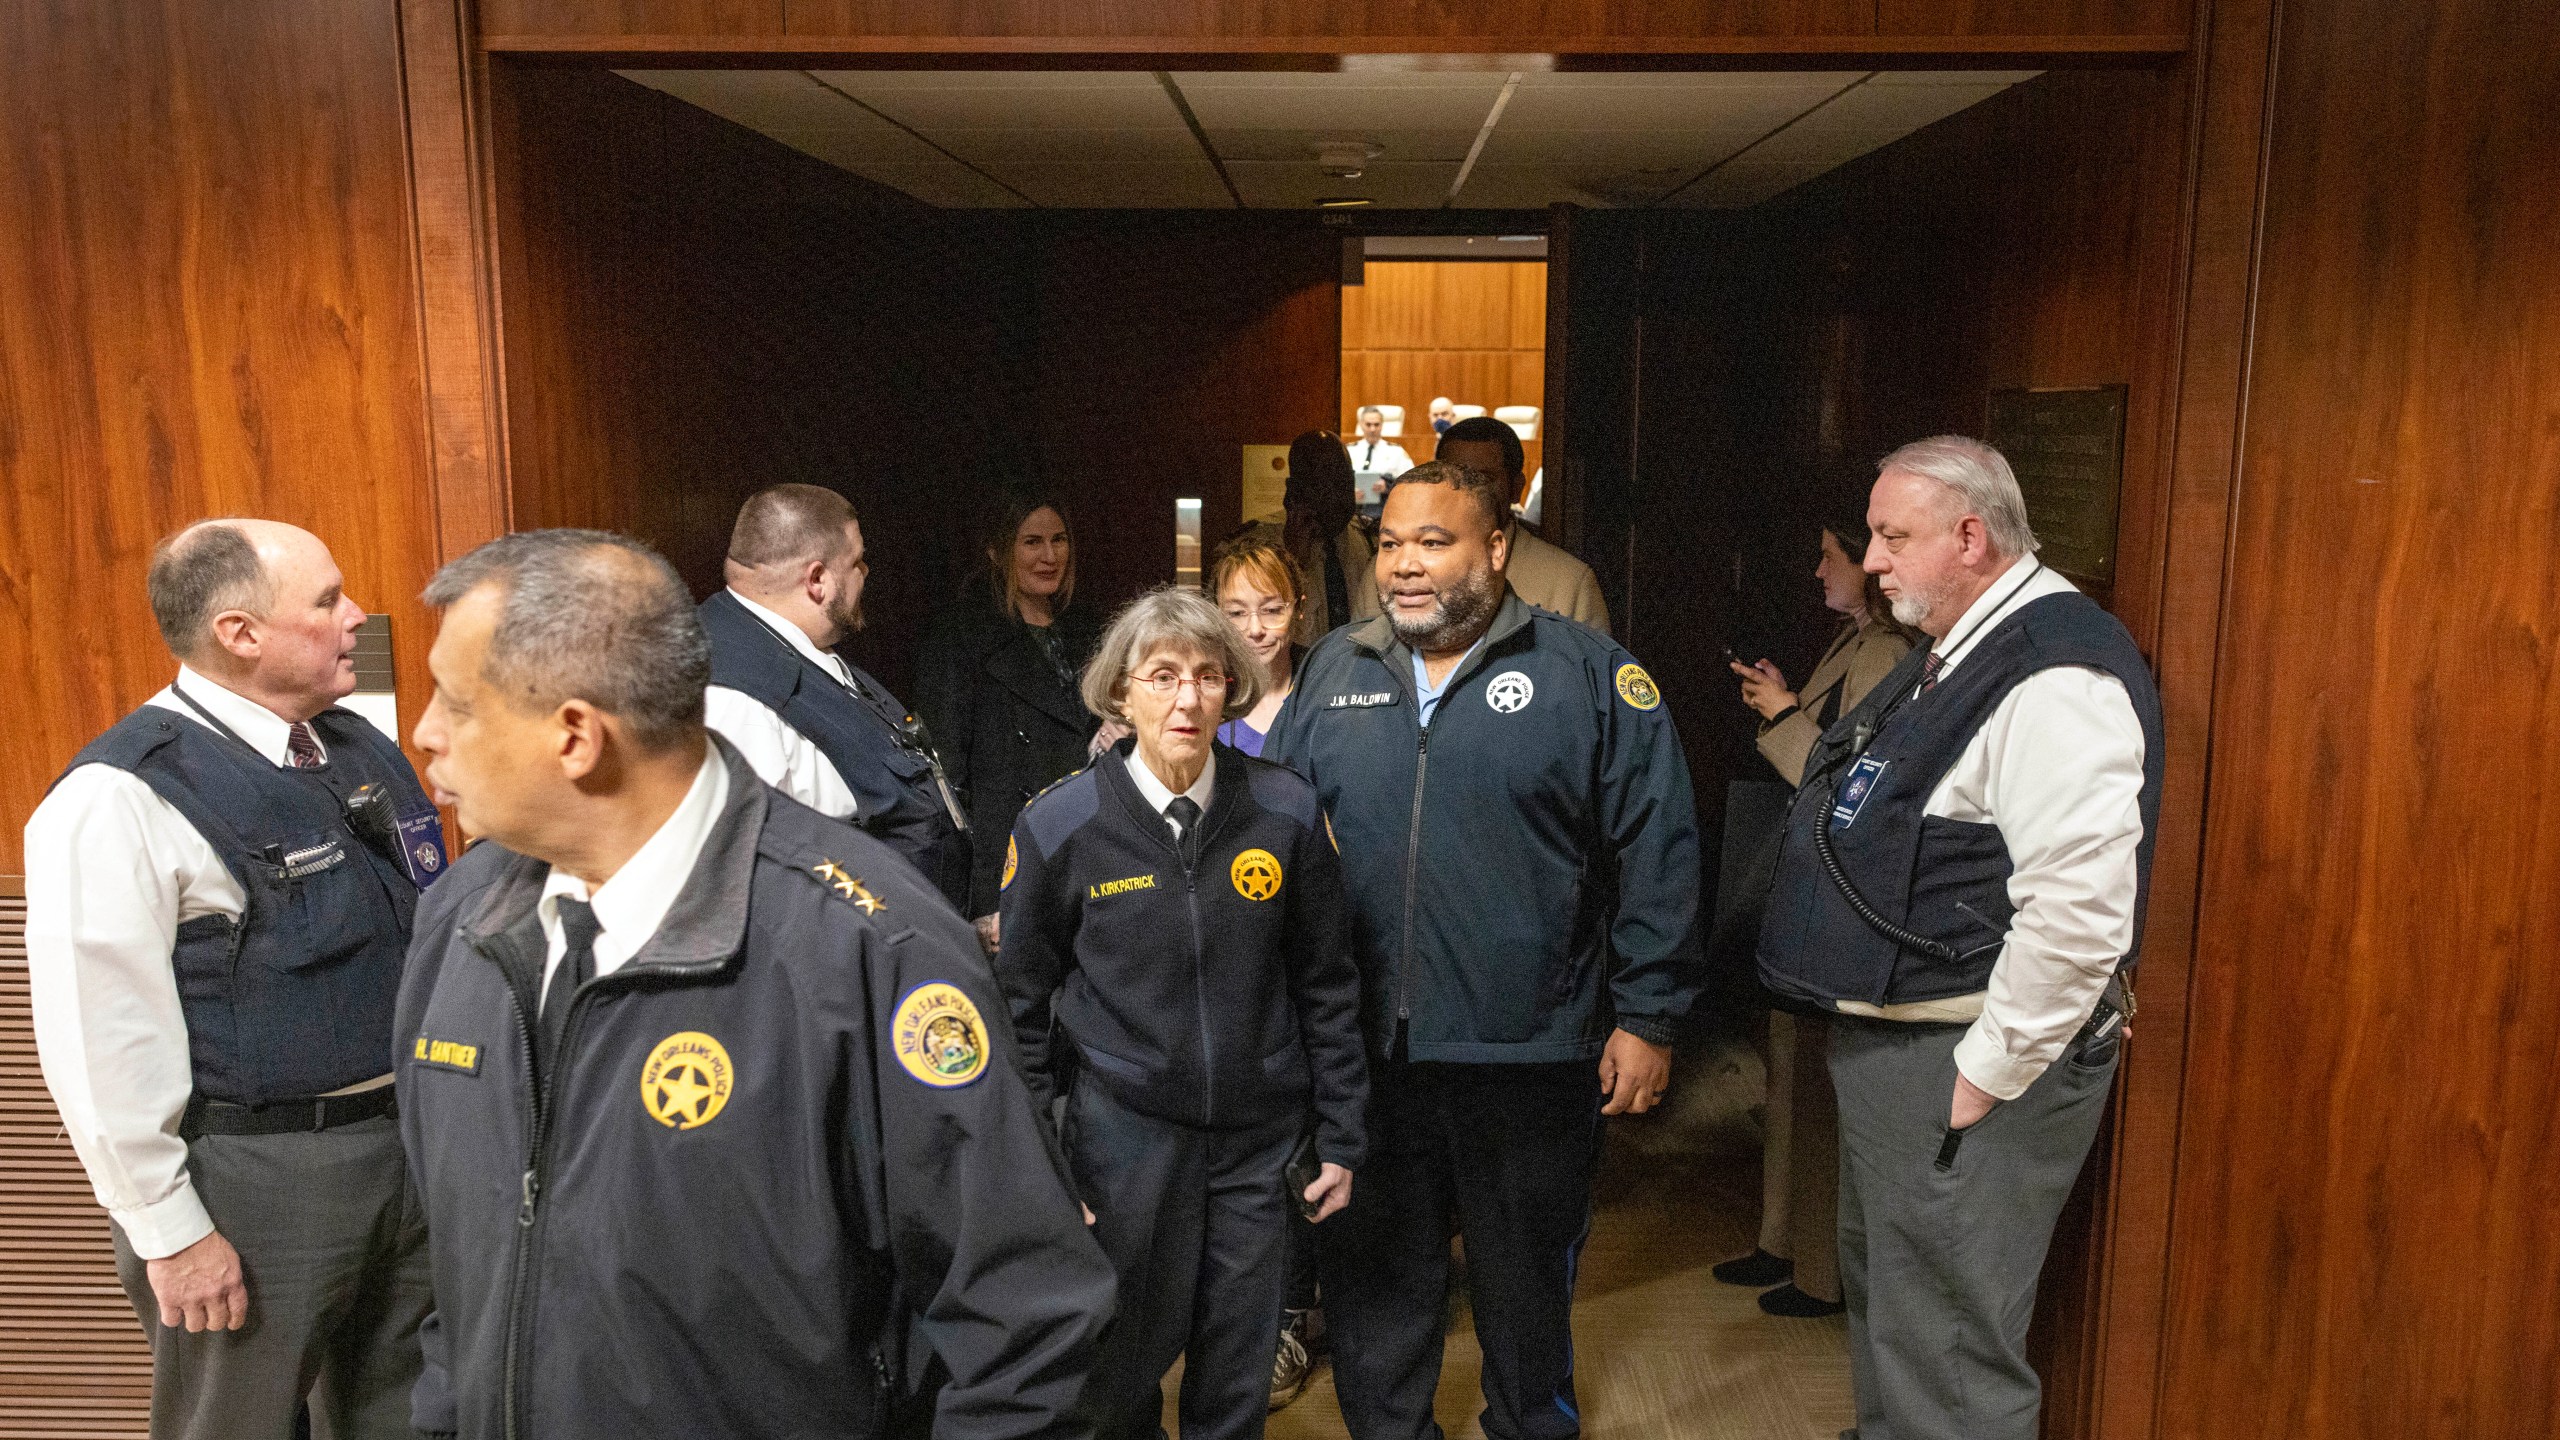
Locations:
{"points": [[1345, 159]]}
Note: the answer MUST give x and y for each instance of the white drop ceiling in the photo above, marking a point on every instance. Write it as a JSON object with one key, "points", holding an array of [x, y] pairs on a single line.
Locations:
{"points": [[1468, 139]]}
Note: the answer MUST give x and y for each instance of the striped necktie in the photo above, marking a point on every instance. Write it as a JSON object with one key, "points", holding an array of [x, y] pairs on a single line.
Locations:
{"points": [[302, 747]]}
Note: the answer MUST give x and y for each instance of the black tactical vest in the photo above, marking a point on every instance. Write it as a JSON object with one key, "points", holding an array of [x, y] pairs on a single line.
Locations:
{"points": [[1942, 879], [294, 998]]}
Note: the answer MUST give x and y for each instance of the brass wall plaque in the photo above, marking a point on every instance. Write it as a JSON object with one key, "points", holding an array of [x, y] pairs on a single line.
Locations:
{"points": [[2068, 449]]}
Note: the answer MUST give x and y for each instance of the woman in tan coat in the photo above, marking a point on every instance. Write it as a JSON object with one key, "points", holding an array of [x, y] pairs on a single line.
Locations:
{"points": [[1799, 1186]]}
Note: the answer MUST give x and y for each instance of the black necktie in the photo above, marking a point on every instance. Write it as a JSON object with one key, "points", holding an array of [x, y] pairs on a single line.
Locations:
{"points": [[578, 929], [1185, 812]]}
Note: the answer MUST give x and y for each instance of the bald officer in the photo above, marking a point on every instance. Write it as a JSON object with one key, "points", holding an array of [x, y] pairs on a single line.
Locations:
{"points": [[219, 893], [820, 730], [695, 1079]]}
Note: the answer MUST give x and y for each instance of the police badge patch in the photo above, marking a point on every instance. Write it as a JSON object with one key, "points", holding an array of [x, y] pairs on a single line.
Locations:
{"points": [[1636, 687], [938, 1036]]}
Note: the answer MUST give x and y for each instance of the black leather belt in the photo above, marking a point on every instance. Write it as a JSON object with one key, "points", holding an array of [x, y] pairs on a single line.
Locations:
{"points": [[283, 1117]]}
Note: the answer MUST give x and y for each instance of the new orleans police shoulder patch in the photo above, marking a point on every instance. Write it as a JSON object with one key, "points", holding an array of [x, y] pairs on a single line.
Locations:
{"points": [[685, 1083], [1256, 874], [1636, 687], [1012, 860], [938, 1036]]}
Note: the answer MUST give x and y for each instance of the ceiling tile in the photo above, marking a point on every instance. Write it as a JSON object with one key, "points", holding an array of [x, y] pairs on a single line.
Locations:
{"points": [[1688, 79], [1952, 77], [1025, 107], [852, 149], [1743, 182], [1660, 108], [1136, 185], [1388, 185], [1693, 149], [1300, 145], [864, 81], [952, 187], [1062, 145], [764, 100], [1343, 110], [1520, 187], [1487, 81]]}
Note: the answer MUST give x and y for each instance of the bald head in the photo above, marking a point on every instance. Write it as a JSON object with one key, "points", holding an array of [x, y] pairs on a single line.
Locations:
{"points": [[259, 607]]}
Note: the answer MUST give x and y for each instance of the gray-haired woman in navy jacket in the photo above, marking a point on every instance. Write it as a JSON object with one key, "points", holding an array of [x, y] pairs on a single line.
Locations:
{"points": [[1175, 961]]}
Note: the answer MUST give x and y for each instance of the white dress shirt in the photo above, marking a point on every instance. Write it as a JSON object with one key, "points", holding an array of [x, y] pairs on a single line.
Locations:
{"points": [[633, 901], [2058, 767], [1158, 794], [782, 757], [1379, 457], [112, 871]]}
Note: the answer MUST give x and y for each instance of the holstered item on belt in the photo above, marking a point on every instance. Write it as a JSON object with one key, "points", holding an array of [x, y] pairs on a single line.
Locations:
{"points": [[2114, 1009], [284, 1117]]}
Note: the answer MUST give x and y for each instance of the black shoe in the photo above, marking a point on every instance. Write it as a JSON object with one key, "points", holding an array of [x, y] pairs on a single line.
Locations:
{"points": [[1759, 1269], [1789, 1303]]}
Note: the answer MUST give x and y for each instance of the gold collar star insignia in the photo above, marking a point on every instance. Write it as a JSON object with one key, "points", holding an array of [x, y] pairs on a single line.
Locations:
{"points": [[848, 886]]}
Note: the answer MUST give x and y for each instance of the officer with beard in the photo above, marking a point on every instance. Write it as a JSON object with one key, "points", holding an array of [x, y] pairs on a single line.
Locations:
{"points": [[814, 727], [1520, 853]]}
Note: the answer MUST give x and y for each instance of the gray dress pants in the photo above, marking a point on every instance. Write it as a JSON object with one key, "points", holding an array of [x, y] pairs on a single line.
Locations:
{"points": [[333, 1249], [1942, 1234]]}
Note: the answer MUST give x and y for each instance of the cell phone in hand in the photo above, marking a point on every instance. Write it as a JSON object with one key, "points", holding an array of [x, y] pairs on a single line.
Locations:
{"points": [[1304, 1169]]}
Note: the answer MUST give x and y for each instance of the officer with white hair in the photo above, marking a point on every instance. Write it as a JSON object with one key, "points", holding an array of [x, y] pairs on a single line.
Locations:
{"points": [[1962, 881]]}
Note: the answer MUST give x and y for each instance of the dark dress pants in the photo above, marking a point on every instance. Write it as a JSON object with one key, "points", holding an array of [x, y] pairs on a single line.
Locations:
{"points": [[1194, 1223], [333, 1250], [1507, 1152]]}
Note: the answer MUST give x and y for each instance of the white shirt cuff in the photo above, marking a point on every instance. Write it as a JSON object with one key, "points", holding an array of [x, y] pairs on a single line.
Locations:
{"points": [[1996, 1073], [165, 1226]]}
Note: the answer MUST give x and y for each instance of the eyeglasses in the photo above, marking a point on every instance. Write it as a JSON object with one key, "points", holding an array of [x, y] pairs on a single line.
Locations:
{"points": [[1168, 682]]}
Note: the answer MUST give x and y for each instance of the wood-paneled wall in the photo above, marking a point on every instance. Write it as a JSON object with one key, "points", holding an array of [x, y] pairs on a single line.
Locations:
{"points": [[1162, 348], [1473, 330], [1314, 27], [210, 309], [2032, 240], [694, 312], [2368, 1176]]}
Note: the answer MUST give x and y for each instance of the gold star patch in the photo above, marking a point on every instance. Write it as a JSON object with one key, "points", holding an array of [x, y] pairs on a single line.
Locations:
{"points": [[848, 886]]}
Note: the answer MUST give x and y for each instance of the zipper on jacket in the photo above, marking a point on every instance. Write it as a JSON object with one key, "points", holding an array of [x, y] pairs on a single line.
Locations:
{"points": [[1200, 997], [1412, 874], [540, 1089]]}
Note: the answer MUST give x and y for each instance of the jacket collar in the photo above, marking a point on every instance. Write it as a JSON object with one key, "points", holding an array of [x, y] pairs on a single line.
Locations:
{"points": [[1014, 660], [707, 923], [1222, 796]]}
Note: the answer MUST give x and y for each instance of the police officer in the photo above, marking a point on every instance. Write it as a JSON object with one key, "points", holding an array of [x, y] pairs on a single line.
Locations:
{"points": [[697, 1078], [1522, 862], [219, 894], [1176, 911], [1961, 878], [820, 730]]}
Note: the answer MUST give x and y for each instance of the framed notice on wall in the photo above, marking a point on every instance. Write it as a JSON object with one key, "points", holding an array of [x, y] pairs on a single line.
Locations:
{"points": [[2068, 449]]}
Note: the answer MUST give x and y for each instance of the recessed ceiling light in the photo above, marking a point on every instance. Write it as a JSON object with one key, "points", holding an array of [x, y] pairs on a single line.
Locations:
{"points": [[1340, 202]]}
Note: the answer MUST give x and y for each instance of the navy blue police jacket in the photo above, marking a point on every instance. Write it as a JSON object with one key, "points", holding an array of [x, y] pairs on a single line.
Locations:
{"points": [[1217, 994], [787, 1105], [1523, 872]]}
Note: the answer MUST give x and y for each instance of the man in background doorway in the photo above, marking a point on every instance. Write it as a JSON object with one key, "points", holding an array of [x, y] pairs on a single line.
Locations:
{"points": [[1545, 575], [1375, 459]]}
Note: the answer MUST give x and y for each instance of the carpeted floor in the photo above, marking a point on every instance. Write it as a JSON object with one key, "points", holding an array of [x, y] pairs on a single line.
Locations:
{"points": [[1665, 1352]]}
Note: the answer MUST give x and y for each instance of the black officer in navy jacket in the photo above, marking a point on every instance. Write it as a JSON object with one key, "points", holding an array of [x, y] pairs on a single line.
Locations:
{"points": [[1522, 859], [1173, 941], [700, 1086]]}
